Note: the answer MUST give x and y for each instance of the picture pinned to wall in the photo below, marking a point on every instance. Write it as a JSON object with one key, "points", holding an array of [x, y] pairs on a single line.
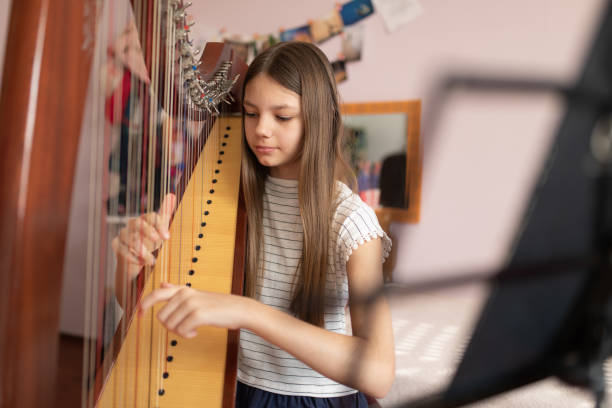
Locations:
{"points": [[355, 11], [342, 20], [297, 34], [339, 68], [326, 26], [263, 42], [397, 13], [352, 42]]}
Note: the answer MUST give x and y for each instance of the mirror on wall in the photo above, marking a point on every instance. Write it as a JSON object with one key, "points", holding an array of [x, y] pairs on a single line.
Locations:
{"points": [[385, 152]]}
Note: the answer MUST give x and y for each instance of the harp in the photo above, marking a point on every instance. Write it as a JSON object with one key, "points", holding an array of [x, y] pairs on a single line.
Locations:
{"points": [[41, 105]]}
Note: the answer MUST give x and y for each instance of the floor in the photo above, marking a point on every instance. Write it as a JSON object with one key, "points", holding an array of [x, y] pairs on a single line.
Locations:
{"points": [[432, 330], [70, 367]]}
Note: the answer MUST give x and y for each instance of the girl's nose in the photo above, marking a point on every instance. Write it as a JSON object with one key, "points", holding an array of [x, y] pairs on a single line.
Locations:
{"points": [[263, 128]]}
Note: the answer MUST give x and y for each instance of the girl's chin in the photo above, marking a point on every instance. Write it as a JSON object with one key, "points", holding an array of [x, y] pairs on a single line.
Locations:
{"points": [[267, 162]]}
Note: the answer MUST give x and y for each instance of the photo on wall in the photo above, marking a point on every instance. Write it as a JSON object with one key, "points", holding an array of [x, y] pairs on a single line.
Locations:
{"points": [[326, 26], [297, 34], [355, 11], [339, 67], [352, 42]]}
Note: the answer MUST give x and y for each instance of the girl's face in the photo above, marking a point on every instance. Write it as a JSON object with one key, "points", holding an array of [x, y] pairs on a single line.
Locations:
{"points": [[274, 126]]}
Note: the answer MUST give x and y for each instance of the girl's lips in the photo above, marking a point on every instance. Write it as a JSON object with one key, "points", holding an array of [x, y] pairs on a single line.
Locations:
{"points": [[265, 149]]}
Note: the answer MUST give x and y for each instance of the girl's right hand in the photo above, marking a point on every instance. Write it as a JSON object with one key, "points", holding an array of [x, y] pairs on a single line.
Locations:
{"points": [[136, 242]]}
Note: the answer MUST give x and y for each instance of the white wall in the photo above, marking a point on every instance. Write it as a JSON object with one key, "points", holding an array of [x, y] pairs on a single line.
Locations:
{"points": [[482, 159]]}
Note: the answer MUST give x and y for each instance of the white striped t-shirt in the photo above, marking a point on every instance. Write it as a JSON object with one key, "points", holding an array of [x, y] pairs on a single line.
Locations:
{"points": [[263, 365]]}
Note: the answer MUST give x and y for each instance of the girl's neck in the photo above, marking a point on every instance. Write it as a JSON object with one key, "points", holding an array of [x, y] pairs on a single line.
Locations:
{"points": [[287, 172], [290, 184]]}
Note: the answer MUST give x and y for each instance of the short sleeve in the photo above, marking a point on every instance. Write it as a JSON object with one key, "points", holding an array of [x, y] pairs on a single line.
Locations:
{"points": [[360, 226]]}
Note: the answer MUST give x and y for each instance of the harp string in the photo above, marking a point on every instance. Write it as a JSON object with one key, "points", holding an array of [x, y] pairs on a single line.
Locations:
{"points": [[133, 129], [95, 215], [156, 37], [88, 318], [150, 138], [107, 134], [123, 45], [126, 132]]}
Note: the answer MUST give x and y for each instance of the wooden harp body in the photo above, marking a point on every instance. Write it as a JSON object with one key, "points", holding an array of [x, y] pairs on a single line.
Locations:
{"points": [[50, 54], [153, 367]]}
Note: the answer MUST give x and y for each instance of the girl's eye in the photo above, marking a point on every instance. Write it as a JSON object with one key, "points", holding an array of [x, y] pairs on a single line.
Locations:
{"points": [[284, 118], [250, 114]]}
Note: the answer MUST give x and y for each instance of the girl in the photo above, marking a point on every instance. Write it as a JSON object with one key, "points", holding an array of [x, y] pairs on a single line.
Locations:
{"points": [[312, 246]]}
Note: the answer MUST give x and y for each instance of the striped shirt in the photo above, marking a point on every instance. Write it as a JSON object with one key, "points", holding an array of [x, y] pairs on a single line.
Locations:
{"points": [[263, 365]]}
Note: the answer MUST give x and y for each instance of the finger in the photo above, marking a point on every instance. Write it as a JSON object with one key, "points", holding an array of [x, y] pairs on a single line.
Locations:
{"points": [[170, 308], [147, 230], [160, 225], [167, 208], [136, 234], [139, 247], [161, 220], [143, 253], [133, 238], [180, 311], [188, 326], [144, 229], [124, 253], [159, 295]]}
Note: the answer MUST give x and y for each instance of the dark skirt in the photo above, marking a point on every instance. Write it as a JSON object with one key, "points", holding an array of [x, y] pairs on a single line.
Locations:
{"points": [[251, 397]]}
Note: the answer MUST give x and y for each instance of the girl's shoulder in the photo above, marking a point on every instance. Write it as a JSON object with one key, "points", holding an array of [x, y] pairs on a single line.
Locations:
{"points": [[347, 200], [355, 223]]}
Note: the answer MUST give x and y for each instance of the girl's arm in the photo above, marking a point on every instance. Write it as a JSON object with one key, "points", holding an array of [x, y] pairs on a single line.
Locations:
{"points": [[364, 361]]}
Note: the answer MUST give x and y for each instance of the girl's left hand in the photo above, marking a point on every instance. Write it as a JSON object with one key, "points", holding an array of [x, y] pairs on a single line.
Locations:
{"points": [[187, 309]]}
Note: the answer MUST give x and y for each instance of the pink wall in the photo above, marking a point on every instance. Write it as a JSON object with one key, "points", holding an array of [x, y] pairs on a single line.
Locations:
{"points": [[480, 164], [544, 36]]}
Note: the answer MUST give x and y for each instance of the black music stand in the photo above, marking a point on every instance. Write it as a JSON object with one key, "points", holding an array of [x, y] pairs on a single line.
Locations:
{"points": [[555, 320]]}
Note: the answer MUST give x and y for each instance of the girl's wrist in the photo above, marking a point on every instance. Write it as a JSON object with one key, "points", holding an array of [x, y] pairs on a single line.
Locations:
{"points": [[248, 312]]}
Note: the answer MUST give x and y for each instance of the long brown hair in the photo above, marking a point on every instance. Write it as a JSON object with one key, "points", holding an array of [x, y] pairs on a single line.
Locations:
{"points": [[303, 69]]}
